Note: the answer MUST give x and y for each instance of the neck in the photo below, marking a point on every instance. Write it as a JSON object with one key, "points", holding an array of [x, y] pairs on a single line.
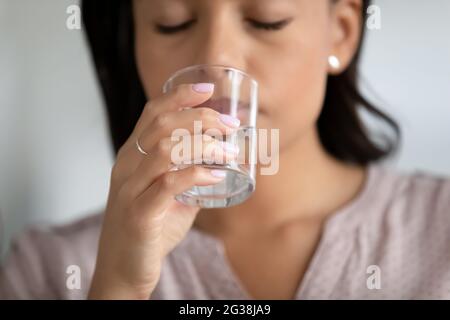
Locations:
{"points": [[309, 186]]}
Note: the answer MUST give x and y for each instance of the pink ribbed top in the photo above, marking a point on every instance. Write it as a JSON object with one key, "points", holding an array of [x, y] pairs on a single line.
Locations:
{"points": [[391, 242]]}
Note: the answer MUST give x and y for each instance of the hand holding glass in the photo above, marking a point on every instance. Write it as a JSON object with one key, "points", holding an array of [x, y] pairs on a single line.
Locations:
{"points": [[235, 94]]}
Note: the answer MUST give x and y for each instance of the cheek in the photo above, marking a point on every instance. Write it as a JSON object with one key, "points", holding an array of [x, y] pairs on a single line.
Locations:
{"points": [[151, 71], [295, 90], [150, 77], [301, 88]]}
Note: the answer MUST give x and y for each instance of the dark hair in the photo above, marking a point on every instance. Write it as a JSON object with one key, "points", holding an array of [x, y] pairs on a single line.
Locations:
{"points": [[110, 33]]}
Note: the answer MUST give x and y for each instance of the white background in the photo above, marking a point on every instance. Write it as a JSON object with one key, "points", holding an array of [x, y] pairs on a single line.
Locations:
{"points": [[55, 155]]}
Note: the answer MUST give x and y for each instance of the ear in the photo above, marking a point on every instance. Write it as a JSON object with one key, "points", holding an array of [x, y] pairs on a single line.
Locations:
{"points": [[345, 33]]}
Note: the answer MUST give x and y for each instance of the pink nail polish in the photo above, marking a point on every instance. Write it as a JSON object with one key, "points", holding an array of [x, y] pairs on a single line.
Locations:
{"points": [[229, 120], [203, 87], [218, 173]]}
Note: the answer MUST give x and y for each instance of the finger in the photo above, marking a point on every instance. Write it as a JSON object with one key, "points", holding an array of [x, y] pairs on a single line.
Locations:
{"points": [[182, 96], [165, 155], [187, 122], [161, 194]]}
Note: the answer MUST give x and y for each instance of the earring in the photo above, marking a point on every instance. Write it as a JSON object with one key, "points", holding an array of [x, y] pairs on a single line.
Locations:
{"points": [[334, 62]]}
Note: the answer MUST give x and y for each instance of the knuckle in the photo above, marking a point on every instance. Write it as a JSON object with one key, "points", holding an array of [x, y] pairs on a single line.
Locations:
{"points": [[149, 110], [161, 120], [167, 181], [164, 146]]}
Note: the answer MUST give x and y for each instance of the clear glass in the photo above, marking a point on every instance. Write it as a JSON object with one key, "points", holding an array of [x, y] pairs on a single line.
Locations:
{"points": [[235, 94]]}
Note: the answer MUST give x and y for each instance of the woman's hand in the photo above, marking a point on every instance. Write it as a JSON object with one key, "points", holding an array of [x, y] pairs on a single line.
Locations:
{"points": [[143, 222]]}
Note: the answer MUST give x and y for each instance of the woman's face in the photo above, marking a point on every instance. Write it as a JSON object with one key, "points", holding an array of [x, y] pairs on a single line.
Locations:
{"points": [[290, 62]]}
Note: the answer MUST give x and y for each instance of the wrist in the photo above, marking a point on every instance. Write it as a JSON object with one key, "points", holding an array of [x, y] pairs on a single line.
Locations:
{"points": [[113, 290]]}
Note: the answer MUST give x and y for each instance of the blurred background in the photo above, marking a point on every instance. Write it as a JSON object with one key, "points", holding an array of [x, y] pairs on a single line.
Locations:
{"points": [[56, 157]]}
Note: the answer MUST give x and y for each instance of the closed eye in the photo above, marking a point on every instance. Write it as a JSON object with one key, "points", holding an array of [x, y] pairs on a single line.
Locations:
{"points": [[271, 26], [173, 29]]}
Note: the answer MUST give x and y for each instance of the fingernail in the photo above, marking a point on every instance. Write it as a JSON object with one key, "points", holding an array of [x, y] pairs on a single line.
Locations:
{"points": [[229, 147], [218, 173], [229, 120], [203, 87]]}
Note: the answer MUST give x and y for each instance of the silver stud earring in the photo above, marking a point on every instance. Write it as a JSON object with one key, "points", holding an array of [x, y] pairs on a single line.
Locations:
{"points": [[334, 62]]}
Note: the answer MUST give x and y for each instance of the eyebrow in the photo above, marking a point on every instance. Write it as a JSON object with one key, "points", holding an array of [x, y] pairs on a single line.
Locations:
{"points": [[164, 6], [257, 4]]}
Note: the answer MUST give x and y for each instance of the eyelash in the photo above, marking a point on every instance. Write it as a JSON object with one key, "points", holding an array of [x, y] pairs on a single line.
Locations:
{"points": [[259, 25], [173, 29], [274, 26]]}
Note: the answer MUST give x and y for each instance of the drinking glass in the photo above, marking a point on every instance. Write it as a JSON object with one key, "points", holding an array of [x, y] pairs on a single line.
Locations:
{"points": [[235, 94]]}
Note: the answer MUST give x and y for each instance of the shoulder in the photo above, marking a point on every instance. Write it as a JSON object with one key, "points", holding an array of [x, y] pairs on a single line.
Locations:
{"points": [[410, 232], [401, 225], [41, 258], [413, 195]]}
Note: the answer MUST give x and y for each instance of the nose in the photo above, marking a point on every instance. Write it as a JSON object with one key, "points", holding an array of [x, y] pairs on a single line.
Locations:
{"points": [[218, 43]]}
